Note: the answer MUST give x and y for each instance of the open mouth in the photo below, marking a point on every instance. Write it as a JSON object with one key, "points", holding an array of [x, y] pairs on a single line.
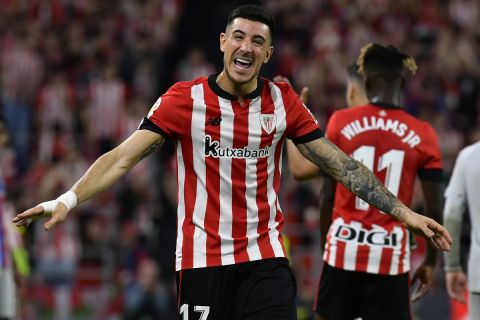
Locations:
{"points": [[242, 63]]}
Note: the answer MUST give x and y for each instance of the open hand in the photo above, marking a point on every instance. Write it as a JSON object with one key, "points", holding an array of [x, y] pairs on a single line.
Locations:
{"points": [[429, 228], [56, 210]]}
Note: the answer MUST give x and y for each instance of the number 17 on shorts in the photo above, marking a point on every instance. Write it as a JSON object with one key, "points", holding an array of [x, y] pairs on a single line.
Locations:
{"points": [[199, 312]]}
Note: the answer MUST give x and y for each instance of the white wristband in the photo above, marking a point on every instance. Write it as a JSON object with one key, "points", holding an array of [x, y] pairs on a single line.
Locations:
{"points": [[69, 199]]}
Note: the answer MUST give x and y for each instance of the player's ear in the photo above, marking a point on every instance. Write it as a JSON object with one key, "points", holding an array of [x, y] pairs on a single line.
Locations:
{"points": [[223, 40], [269, 54]]}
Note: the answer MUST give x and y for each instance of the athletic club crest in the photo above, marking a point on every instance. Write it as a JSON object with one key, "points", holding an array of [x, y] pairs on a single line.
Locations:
{"points": [[268, 122]]}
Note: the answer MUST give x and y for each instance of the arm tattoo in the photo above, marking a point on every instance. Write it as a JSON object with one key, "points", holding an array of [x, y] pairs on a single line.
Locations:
{"points": [[352, 174], [152, 148]]}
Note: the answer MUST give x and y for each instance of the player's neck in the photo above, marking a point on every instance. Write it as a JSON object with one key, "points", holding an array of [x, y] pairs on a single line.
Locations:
{"points": [[389, 97], [236, 89]]}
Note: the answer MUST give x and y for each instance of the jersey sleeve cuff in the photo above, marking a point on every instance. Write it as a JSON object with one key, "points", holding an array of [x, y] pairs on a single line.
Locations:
{"points": [[148, 124], [314, 135], [434, 175]]}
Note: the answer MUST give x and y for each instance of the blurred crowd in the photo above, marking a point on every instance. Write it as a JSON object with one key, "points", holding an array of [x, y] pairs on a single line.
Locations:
{"points": [[77, 76]]}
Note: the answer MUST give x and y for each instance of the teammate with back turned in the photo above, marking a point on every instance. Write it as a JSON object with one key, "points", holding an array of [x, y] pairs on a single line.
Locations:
{"points": [[229, 131], [367, 253]]}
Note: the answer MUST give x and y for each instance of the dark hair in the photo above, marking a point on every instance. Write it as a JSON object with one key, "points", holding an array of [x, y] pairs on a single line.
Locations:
{"points": [[384, 61], [254, 13], [352, 72]]}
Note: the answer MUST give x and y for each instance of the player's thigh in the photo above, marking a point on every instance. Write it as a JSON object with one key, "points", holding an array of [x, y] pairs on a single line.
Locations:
{"points": [[206, 294], [270, 292], [338, 294], [386, 297]]}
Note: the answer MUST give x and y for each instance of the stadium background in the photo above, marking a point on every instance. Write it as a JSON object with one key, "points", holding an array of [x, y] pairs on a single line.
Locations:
{"points": [[76, 77]]}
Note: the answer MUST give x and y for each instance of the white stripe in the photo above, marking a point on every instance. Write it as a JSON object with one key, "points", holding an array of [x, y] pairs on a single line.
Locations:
{"points": [[397, 250], [181, 206], [351, 247], [272, 196], [225, 167], [254, 139], [406, 257], [199, 210], [375, 254], [332, 241]]}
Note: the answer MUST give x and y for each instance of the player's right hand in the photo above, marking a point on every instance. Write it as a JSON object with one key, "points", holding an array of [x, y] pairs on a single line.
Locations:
{"points": [[429, 228], [56, 210]]}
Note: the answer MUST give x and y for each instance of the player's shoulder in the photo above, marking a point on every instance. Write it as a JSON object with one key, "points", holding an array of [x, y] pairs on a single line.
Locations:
{"points": [[284, 87], [190, 83], [472, 150], [183, 88]]}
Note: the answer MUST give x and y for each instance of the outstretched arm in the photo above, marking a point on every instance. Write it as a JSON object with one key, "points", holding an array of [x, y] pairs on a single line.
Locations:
{"points": [[101, 175], [364, 184]]}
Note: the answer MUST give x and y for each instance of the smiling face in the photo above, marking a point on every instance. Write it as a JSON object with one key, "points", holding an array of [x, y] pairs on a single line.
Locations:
{"points": [[246, 45]]}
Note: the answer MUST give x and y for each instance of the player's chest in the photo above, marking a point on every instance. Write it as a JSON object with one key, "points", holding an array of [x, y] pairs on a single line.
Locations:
{"points": [[228, 125]]}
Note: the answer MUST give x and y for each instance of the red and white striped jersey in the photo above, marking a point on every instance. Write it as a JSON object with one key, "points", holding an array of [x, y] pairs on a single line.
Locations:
{"points": [[228, 167], [396, 147]]}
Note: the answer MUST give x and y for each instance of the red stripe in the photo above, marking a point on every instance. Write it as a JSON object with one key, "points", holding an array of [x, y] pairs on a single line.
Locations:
{"points": [[361, 262], [386, 261], [190, 193], [239, 205], [264, 244], [340, 256], [212, 215]]}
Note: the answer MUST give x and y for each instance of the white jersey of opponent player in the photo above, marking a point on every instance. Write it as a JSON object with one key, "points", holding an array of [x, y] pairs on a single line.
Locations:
{"points": [[463, 189]]}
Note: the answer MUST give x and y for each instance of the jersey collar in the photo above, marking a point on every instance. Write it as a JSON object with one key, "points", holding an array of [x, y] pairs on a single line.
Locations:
{"points": [[212, 83]]}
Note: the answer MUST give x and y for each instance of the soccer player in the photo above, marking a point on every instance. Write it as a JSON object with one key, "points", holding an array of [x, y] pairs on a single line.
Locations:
{"points": [[462, 193], [366, 257], [229, 129]]}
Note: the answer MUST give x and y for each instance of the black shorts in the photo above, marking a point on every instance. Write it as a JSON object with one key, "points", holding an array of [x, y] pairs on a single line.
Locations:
{"points": [[346, 295], [257, 290]]}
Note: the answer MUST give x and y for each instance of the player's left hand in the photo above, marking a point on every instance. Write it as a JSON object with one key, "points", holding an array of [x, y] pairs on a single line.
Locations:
{"points": [[424, 277], [428, 228]]}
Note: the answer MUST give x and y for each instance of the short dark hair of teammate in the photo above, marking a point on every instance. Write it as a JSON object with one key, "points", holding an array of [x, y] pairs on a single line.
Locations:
{"points": [[254, 13], [384, 67], [352, 72]]}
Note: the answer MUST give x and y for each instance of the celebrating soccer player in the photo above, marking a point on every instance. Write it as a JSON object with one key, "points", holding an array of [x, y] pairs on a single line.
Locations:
{"points": [[229, 131]]}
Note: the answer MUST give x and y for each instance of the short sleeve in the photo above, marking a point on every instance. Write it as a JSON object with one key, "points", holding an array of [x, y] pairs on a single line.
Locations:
{"points": [[431, 166], [167, 115], [431, 159], [332, 128], [302, 126]]}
